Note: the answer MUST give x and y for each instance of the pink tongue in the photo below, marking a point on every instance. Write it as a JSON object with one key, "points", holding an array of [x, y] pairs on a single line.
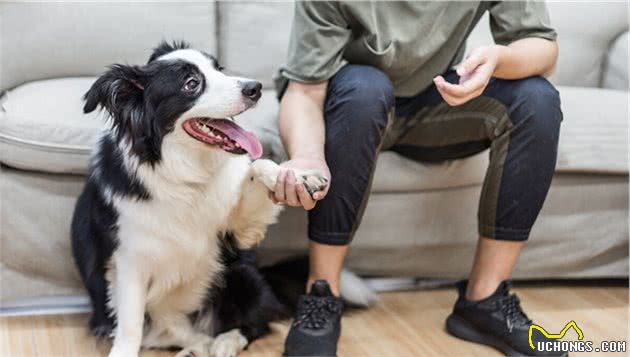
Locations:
{"points": [[247, 140]]}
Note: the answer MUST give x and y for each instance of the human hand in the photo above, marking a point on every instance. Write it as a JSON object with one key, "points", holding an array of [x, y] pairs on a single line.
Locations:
{"points": [[294, 194], [475, 73]]}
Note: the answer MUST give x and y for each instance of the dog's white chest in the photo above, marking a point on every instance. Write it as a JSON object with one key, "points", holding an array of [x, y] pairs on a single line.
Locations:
{"points": [[176, 233]]}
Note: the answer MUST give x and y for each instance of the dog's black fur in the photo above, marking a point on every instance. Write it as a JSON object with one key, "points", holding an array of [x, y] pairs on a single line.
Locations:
{"points": [[246, 300]]}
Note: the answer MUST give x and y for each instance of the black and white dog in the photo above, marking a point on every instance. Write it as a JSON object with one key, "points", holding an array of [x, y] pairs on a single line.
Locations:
{"points": [[170, 199]]}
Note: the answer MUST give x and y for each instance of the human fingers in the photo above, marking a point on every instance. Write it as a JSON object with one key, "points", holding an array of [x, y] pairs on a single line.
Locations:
{"points": [[305, 198], [279, 190], [469, 65], [459, 94], [289, 189]]}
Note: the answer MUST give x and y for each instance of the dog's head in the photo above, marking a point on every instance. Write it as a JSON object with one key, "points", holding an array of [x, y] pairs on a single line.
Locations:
{"points": [[180, 91]]}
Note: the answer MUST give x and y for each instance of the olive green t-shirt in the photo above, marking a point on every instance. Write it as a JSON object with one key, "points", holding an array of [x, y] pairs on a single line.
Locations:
{"points": [[411, 42]]}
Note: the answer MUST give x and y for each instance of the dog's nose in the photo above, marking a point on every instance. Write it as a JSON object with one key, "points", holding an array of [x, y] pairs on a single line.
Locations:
{"points": [[251, 89]]}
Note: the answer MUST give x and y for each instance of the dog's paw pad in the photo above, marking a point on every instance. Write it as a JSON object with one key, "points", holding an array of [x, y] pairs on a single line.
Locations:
{"points": [[314, 181]]}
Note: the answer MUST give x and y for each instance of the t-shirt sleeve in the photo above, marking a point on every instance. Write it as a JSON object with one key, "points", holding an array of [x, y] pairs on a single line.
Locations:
{"points": [[514, 20], [318, 39]]}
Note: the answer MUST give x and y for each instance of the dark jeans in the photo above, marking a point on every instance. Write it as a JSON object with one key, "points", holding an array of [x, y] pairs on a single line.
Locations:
{"points": [[519, 120]]}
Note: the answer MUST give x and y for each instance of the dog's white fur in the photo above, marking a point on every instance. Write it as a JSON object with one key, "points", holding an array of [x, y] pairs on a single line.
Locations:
{"points": [[168, 252]]}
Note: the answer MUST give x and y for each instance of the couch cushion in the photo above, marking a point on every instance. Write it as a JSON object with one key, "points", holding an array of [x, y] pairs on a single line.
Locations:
{"points": [[253, 37], [43, 128], [61, 39], [594, 133], [585, 30], [55, 136], [616, 69]]}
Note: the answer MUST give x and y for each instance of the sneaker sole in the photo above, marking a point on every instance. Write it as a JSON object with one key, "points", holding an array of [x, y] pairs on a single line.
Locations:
{"points": [[461, 328]]}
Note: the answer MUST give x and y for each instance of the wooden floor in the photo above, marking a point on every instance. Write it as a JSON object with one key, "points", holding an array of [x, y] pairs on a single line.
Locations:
{"points": [[402, 324]]}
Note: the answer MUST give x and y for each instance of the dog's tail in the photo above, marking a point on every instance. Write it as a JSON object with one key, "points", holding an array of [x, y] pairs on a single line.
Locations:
{"points": [[288, 278], [355, 291]]}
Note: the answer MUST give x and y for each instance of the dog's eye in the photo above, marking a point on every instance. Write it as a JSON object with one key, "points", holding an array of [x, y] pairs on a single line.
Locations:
{"points": [[191, 85], [220, 68]]}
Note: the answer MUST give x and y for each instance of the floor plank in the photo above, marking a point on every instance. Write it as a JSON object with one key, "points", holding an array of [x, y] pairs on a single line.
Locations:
{"points": [[402, 324]]}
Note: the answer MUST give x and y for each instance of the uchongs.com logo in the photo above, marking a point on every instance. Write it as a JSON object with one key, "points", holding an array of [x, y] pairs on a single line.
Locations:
{"points": [[553, 342]]}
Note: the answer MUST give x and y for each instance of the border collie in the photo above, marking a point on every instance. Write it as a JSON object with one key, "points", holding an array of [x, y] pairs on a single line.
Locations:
{"points": [[170, 201]]}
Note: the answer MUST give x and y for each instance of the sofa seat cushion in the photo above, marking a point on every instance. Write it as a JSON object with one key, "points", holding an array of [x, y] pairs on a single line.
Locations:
{"points": [[42, 128]]}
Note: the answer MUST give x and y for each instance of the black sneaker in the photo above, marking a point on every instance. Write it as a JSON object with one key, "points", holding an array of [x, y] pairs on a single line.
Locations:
{"points": [[497, 321], [317, 324]]}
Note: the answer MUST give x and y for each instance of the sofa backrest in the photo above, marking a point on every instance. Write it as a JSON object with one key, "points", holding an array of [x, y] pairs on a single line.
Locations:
{"points": [[49, 40], [60, 39], [253, 37], [586, 31], [616, 66]]}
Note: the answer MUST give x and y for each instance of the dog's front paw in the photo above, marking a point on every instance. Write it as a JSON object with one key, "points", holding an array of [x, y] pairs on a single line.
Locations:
{"points": [[228, 344], [313, 180]]}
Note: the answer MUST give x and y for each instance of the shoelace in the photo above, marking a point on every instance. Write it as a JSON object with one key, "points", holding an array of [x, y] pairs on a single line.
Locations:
{"points": [[514, 314], [315, 312]]}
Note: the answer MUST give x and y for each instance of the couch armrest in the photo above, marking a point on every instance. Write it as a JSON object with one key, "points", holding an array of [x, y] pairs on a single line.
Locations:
{"points": [[615, 74]]}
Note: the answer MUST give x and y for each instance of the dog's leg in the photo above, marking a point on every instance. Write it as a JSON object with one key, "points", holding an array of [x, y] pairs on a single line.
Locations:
{"points": [[228, 344], [129, 302], [266, 172], [255, 211], [171, 324]]}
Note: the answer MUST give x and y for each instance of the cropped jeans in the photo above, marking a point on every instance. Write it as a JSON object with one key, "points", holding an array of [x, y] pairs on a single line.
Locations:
{"points": [[519, 120]]}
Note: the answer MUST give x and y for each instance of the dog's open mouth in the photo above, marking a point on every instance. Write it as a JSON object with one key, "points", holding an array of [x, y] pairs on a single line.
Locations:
{"points": [[225, 134]]}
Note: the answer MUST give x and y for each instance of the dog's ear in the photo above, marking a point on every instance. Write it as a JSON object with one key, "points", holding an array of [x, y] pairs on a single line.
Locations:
{"points": [[120, 86]]}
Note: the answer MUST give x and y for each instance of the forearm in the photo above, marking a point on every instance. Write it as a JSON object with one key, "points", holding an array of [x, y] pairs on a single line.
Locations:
{"points": [[301, 120], [525, 58]]}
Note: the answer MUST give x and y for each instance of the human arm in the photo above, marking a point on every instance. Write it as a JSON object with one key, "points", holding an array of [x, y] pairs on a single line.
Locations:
{"points": [[302, 131], [520, 59], [525, 46], [318, 38]]}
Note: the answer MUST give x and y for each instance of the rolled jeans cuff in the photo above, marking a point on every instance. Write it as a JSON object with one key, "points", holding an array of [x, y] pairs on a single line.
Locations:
{"points": [[329, 238], [501, 233]]}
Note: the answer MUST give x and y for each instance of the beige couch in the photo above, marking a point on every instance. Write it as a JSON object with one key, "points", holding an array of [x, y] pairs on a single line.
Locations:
{"points": [[421, 219]]}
